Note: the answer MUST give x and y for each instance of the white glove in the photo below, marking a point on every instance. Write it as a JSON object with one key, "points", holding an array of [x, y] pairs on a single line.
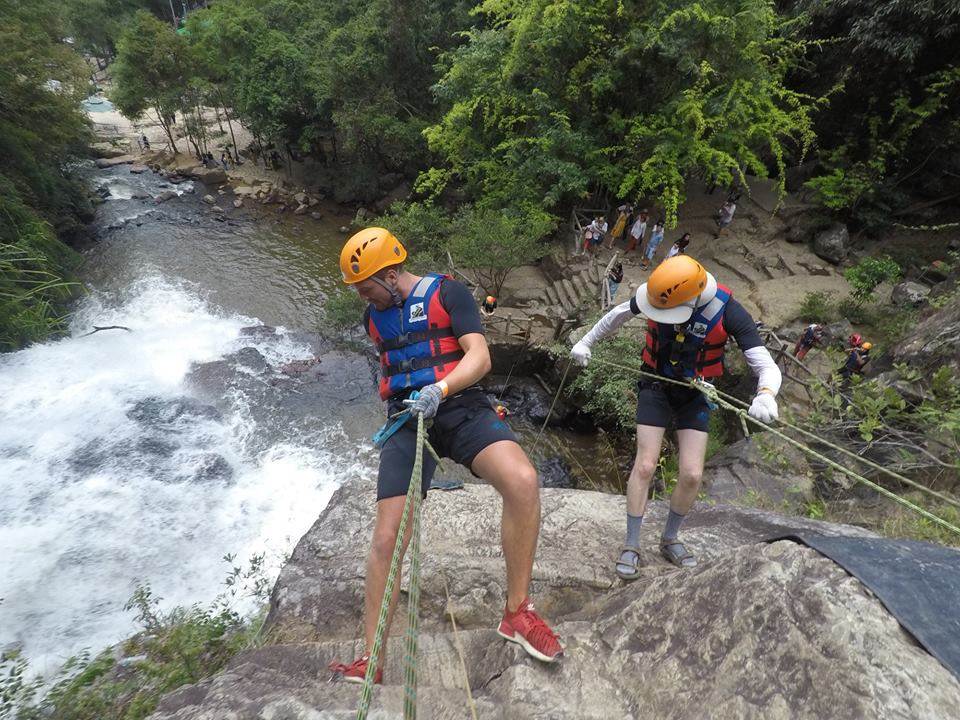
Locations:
{"points": [[581, 353], [764, 408]]}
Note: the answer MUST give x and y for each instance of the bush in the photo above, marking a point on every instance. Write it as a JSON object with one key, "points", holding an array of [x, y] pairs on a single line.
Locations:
{"points": [[611, 392], [424, 229], [175, 648], [818, 307], [868, 273]]}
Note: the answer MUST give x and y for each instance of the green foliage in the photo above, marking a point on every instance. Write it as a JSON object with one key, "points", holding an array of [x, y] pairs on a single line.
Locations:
{"points": [[818, 307], [543, 107], [343, 309], [493, 243], [891, 72], [174, 648], [610, 393], [868, 273], [424, 229]]}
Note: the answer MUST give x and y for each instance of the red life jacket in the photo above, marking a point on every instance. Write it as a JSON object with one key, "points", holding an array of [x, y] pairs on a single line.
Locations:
{"points": [[700, 351], [416, 342]]}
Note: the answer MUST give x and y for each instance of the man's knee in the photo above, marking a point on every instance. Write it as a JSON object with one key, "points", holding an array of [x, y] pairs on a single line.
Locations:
{"points": [[384, 540], [690, 477], [645, 467], [524, 485]]}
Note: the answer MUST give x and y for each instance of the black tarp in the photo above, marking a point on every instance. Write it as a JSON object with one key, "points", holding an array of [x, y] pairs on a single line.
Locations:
{"points": [[918, 582]]}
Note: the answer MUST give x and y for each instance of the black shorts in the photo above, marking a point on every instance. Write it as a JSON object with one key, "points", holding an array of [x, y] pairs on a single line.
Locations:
{"points": [[659, 402], [464, 425]]}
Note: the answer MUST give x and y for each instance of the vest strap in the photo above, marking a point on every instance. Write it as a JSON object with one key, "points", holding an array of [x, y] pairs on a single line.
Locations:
{"points": [[414, 364], [411, 338]]}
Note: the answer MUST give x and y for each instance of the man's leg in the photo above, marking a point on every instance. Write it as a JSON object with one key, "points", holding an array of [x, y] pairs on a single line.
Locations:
{"points": [[649, 441], [692, 446], [504, 465], [385, 529]]}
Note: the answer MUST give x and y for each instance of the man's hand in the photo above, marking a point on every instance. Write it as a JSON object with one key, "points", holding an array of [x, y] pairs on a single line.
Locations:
{"points": [[764, 408], [581, 353], [427, 402]]}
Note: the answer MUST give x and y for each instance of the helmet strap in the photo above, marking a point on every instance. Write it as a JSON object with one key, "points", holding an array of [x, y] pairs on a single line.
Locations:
{"points": [[395, 297]]}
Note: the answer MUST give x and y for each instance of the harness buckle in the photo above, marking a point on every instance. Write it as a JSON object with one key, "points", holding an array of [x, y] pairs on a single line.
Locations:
{"points": [[405, 366], [402, 339]]}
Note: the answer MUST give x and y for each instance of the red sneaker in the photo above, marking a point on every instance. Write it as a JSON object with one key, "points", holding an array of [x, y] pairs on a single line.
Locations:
{"points": [[530, 632], [356, 671]]}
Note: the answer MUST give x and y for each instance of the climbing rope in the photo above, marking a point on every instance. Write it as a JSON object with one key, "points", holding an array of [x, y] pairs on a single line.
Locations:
{"points": [[411, 507], [553, 404], [739, 407]]}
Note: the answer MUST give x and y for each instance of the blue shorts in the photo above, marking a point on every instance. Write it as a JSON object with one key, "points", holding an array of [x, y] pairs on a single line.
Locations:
{"points": [[464, 425]]}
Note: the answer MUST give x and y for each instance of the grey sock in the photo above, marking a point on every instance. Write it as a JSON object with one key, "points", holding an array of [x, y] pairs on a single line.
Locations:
{"points": [[672, 528], [634, 523]]}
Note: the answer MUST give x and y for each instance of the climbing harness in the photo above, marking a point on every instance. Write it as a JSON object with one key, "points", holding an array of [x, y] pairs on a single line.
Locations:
{"points": [[411, 508], [393, 423]]}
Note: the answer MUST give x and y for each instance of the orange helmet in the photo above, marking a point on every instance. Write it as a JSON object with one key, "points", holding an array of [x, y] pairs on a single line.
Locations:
{"points": [[491, 299], [671, 293], [368, 252], [867, 346]]}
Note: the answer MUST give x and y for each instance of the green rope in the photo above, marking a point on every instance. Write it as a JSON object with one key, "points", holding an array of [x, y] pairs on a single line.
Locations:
{"points": [[730, 403], [410, 506]]}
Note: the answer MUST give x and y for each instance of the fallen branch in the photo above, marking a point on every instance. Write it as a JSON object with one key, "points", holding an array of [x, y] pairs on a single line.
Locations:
{"points": [[98, 328]]}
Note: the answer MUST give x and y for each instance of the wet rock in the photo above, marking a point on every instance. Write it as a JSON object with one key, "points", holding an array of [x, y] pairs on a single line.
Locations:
{"points": [[344, 229], [555, 472], [362, 217], [140, 195], [909, 293], [301, 210], [833, 244], [138, 169], [209, 199], [316, 216], [238, 203], [244, 191], [300, 198], [259, 331], [251, 359], [156, 446], [103, 163], [525, 397], [217, 209], [209, 468], [165, 195], [159, 412]]}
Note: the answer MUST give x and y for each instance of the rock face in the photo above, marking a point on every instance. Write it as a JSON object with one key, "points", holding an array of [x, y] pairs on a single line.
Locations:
{"points": [[909, 293], [208, 176], [756, 631], [746, 470], [833, 244], [933, 342]]}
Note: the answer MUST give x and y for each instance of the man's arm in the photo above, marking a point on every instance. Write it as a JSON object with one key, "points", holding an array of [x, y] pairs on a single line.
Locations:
{"points": [[474, 364], [607, 325]]}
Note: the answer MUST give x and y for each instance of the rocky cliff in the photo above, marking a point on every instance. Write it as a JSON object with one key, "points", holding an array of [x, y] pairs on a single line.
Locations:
{"points": [[758, 630]]}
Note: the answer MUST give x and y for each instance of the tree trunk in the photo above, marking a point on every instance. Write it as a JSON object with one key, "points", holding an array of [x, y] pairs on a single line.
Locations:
{"points": [[166, 127], [236, 152], [216, 112]]}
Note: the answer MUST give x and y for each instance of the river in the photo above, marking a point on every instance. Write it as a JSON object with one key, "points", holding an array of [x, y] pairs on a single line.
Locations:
{"points": [[114, 473]]}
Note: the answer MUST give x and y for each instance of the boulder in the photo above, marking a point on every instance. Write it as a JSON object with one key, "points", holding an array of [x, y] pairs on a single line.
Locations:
{"points": [[833, 244], [208, 176], [909, 293], [165, 195], [797, 234], [106, 150], [316, 215], [934, 341], [757, 630], [301, 210], [103, 163], [238, 203], [209, 199], [216, 209], [244, 190], [836, 333], [759, 470], [363, 215], [137, 168], [301, 198], [139, 195]]}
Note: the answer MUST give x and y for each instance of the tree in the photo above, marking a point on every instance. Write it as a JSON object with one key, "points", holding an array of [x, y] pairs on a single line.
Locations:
{"points": [[493, 244], [545, 108], [867, 274], [151, 71]]}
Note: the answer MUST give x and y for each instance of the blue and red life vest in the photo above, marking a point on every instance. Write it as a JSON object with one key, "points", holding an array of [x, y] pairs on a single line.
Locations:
{"points": [[416, 342], [697, 349]]}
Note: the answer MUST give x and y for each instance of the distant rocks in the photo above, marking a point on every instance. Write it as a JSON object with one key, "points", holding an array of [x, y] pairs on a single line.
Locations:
{"points": [[833, 244]]}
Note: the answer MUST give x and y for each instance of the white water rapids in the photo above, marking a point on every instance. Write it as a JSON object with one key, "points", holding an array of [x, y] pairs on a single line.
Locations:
{"points": [[111, 477]]}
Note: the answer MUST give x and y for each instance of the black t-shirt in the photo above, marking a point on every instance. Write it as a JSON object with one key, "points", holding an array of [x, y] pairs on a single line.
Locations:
{"points": [[458, 301]]}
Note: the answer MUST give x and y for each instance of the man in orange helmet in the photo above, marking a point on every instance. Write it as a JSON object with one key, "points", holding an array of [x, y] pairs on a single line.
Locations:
{"points": [[430, 338], [689, 319]]}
